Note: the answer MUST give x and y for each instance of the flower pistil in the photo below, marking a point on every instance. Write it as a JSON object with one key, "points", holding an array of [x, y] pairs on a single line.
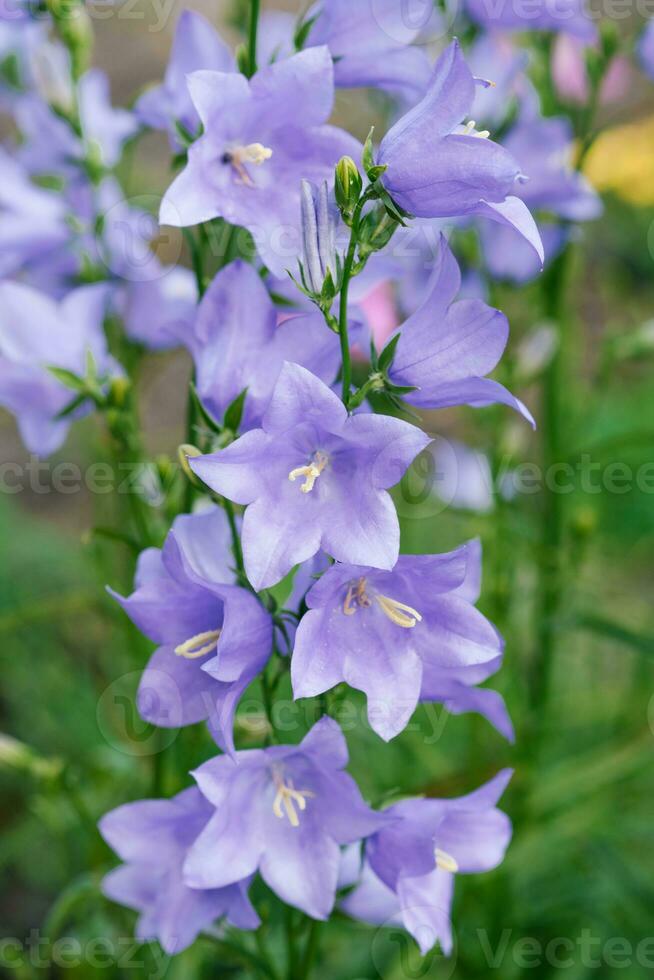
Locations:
{"points": [[287, 798], [398, 612], [199, 645], [311, 472]]}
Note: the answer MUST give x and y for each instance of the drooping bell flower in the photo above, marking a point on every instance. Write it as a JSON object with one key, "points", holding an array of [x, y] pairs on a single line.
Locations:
{"points": [[196, 45], [446, 348], [438, 166], [37, 333], [284, 811], [213, 636], [153, 838], [394, 635], [261, 138], [411, 865], [237, 343], [314, 477]]}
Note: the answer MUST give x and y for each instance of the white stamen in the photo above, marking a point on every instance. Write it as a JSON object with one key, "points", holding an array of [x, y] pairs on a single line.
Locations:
{"points": [[199, 645], [287, 798], [445, 861], [469, 130], [311, 472], [398, 612], [254, 153]]}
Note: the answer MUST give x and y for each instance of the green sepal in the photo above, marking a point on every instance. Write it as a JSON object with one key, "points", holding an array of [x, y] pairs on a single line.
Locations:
{"points": [[388, 353], [212, 424], [234, 412]]}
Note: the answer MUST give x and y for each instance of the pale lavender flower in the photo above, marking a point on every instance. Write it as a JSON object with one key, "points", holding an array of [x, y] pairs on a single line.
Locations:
{"points": [[37, 333], [402, 635], [568, 16], [438, 167], [411, 864], [261, 138], [284, 811], [446, 348], [196, 45], [153, 837], [213, 636], [314, 477]]}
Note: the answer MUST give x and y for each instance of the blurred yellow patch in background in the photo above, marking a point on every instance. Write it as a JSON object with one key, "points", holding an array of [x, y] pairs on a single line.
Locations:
{"points": [[622, 161]]}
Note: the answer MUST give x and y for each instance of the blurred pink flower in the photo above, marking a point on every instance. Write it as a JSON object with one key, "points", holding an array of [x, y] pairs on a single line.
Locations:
{"points": [[380, 312], [571, 77]]}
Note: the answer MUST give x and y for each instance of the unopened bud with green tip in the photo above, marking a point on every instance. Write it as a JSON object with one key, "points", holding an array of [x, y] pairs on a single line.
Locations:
{"points": [[348, 185], [185, 452]]}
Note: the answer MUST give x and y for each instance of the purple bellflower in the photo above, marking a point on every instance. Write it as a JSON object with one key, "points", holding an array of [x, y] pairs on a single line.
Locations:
{"points": [[411, 864], [160, 311], [284, 811], [314, 477], [446, 348], [213, 636], [196, 45], [237, 343], [153, 838], [261, 138], [544, 148], [437, 167], [396, 635], [50, 143], [371, 44], [37, 333], [32, 219], [568, 16]]}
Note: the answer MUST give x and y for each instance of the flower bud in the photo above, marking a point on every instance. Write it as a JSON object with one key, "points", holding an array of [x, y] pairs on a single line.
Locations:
{"points": [[319, 260], [347, 185]]}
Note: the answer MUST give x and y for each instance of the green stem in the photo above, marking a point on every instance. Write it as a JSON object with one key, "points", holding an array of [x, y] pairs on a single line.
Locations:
{"points": [[236, 541], [291, 944], [310, 950], [551, 565], [252, 36], [342, 315]]}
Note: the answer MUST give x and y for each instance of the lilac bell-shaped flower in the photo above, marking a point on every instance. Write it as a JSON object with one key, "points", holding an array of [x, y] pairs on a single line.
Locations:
{"points": [[153, 838], [411, 865], [284, 811]]}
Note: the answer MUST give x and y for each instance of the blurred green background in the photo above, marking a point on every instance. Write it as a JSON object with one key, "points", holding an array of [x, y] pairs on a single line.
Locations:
{"points": [[575, 895]]}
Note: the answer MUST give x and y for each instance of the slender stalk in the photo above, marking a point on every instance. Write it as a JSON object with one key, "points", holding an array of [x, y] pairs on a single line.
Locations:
{"points": [[342, 314], [255, 6], [291, 944], [310, 951]]}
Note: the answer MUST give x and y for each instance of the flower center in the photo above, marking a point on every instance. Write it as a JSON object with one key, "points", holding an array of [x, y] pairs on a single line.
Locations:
{"points": [[445, 861], [311, 472], [238, 156], [199, 645], [469, 130], [288, 798], [398, 612]]}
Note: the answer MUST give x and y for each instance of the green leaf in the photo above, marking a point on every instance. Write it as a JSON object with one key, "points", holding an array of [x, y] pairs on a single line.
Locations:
{"points": [[302, 32], [388, 353], [203, 412], [234, 412], [67, 378], [72, 406], [368, 158], [616, 631]]}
